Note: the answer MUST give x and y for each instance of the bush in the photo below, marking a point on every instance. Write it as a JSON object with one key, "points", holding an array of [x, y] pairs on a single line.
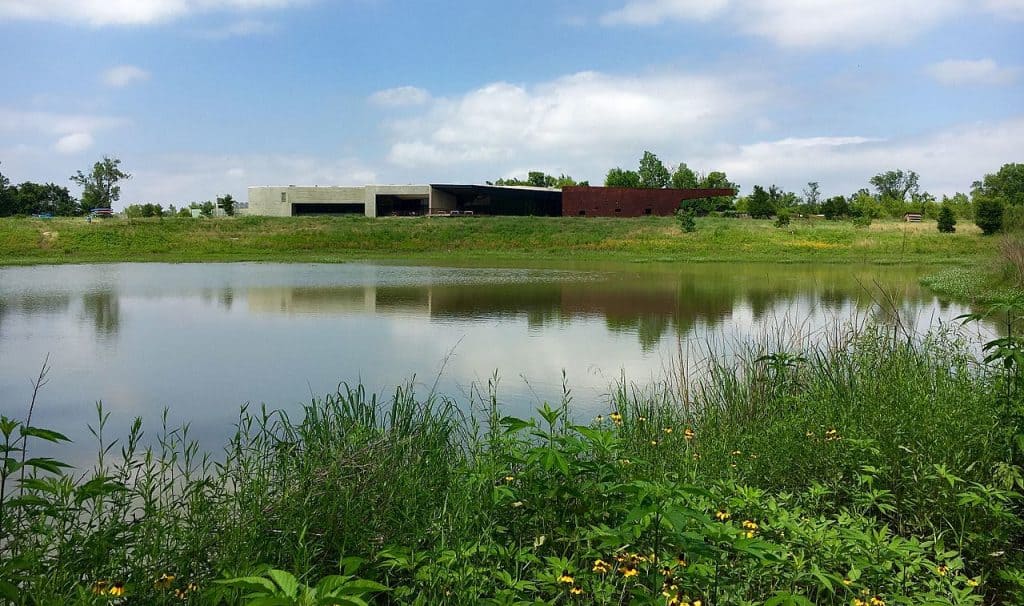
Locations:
{"points": [[686, 220], [782, 218], [1013, 218], [862, 221], [947, 220], [988, 214]]}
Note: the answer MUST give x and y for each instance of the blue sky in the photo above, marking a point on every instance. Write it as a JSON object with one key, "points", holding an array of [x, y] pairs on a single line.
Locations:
{"points": [[204, 97]]}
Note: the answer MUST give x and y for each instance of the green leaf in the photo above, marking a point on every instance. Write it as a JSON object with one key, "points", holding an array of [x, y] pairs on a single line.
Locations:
{"points": [[46, 464], [250, 583], [9, 591], [350, 565], [286, 581], [44, 434], [513, 424]]}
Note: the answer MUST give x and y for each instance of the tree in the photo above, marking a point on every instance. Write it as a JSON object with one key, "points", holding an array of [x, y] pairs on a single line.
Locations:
{"points": [[622, 178], [228, 204], [686, 220], [206, 209], [684, 178], [759, 204], [1007, 183], [100, 187], [8, 197], [947, 219], [835, 208], [895, 184], [988, 214], [718, 180], [653, 174], [536, 178], [812, 197]]}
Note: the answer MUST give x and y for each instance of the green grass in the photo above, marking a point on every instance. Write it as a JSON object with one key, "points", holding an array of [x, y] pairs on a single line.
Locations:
{"points": [[865, 465], [328, 239]]}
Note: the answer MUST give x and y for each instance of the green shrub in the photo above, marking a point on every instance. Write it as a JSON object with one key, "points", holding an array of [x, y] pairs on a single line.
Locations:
{"points": [[782, 218], [862, 221], [686, 220], [988, 214], [947, 220]]}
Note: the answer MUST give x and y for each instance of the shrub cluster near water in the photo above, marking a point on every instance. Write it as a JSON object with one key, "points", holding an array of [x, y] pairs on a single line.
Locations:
{"points": [[874, 469]]}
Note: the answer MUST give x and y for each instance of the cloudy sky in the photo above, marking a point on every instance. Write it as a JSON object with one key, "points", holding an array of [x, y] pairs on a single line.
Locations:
{"points": [[205, 97]]}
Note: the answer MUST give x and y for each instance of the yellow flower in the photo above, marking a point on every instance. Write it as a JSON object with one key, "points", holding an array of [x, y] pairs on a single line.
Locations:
{"points": [[624, 461], [750, 534], [736, 453], [599, 418], [681, 560], [629, 570], [688, 433], [667, 430], [616, 418], [750, 524], [117, 589], [972, 582], [847, 582], [601, 567], [654, 442], [576, 590], [566, 578], [859, 602], [641, 419], [100, 587], [164, 582], [723, 515], [510, 478], [942, 570], [877, 601], [696, 456]]}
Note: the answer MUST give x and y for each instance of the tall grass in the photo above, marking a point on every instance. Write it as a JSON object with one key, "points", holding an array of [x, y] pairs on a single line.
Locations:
{"points": [[864, 466]]}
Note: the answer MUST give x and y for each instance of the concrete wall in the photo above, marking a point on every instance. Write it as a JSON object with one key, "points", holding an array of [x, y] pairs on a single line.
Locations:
{"points": [[276, 201], [441, 200]]}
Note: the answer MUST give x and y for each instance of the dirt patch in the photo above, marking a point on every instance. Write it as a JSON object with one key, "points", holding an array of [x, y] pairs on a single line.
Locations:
{"points": [[48, 238]]}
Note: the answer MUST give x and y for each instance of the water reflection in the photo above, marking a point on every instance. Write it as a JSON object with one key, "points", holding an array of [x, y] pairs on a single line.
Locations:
{"points": [[204, 339], [650, 304]]}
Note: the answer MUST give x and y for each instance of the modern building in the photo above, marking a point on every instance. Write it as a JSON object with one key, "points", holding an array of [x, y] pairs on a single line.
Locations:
{"points": [[452, 199]]}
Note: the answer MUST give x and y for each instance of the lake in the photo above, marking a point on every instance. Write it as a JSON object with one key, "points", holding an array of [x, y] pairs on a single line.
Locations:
{"points": [[202, 339]]}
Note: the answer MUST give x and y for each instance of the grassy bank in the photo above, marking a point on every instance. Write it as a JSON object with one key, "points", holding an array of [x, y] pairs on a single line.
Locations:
{"points": [[992, 281], [33, 241], [865, 469]]}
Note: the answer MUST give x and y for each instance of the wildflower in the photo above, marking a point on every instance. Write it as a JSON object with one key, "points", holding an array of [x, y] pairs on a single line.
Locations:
{"points": [[518, 504], [688, 433], [750, 534], [629, 570], [676, 600], [877, 601], [809, 434], [859, 602], [696, 456], [117, 589], [616, 418], [566, 578], [576, 590], [624, 461], [942, 570], [510, 478], [722, 515], [681, 560], [847, 582], [641, 419], [753, 455], [599, 418], [667, 430], [654, 442], [164, 582], [601, 567], [972, 582], [736, 453], [100, 587]]}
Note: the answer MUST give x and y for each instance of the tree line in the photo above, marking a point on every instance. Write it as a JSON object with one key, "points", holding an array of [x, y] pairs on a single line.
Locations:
{"points": [[100, 189]]}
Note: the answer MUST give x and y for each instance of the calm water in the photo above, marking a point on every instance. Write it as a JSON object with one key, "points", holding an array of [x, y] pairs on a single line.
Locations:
{"points": [[204, 339]]}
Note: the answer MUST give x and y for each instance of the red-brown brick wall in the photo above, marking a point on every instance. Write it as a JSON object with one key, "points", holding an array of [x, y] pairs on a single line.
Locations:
{"points": [[630, 202]]}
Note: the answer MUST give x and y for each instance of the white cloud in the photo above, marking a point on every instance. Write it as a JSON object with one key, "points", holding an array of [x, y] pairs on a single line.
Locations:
{"points": [[123, 75], [181, 178], [126, 12], [947, 161], [237, 29], [652, 12], [400, 96], [70, 133], [1010, 9], [956, 72], [803, 23], [74, 143], [587, 114]]}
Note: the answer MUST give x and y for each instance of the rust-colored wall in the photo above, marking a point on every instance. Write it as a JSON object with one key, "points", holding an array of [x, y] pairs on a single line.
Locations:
{"points": [[603, 201]]}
